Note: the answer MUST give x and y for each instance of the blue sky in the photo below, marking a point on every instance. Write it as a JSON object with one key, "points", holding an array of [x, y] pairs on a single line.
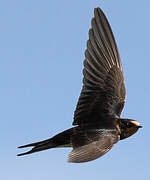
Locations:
{"points": [[42, 48]]}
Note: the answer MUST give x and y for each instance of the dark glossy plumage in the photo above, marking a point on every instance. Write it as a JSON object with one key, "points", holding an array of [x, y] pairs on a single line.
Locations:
{"points": [[103, 91], [101, 101]]}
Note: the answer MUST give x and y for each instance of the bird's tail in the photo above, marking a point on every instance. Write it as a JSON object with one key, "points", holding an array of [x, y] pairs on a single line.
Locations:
{"points": [[60, 140], [38, 146]]}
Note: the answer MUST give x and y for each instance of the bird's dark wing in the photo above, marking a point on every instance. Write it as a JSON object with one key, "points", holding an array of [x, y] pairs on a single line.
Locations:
{"points": [[92, 145], [103, 91]]}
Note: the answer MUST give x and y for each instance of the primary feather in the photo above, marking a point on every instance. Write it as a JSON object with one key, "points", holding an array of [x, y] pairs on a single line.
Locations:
{"points": [[103, 91]]}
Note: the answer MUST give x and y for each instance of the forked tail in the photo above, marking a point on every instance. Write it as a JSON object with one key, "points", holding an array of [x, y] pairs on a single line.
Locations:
{"points": [[60, 140], [38, 146]]}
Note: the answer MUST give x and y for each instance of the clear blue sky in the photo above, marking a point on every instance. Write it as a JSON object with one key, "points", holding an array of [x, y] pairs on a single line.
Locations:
{"points": [[42, 46]]}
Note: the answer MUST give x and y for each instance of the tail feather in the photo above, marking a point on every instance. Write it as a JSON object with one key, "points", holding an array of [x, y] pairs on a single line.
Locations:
{"points": [[60, 140], [39, 146], [35, 144]]}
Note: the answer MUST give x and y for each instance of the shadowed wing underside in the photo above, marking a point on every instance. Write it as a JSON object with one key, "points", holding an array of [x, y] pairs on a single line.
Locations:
{"points": [[92, 145], [103, 91]]}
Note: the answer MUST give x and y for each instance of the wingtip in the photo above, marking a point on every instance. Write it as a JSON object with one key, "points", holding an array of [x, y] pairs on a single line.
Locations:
{"points": [[68, 161], [78, 155], [97, 9]]}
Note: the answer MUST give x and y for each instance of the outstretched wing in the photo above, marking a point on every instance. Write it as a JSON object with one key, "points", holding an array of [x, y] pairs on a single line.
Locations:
{"points": [[92, 145], [103, 91]]}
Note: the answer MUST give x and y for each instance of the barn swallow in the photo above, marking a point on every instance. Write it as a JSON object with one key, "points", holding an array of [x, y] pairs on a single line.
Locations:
{"points": [[97, 122]]}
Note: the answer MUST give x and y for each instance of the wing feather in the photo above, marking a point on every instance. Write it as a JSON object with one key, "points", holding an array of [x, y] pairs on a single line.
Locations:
{"points": [[103, 91], [92, 146]]}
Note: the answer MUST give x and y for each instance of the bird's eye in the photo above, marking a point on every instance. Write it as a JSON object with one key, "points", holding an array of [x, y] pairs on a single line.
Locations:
{"points": [[127, 124]]}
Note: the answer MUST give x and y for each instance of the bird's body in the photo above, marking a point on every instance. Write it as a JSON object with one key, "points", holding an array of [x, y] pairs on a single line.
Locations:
{"points": [[97, 115]]}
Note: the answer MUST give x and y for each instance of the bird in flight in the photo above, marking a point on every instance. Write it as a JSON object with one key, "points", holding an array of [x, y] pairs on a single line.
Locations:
{"points": [[97, 122]]}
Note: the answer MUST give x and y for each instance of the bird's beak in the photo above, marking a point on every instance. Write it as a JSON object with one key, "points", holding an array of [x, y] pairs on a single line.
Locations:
{"points": [[136, 123]]}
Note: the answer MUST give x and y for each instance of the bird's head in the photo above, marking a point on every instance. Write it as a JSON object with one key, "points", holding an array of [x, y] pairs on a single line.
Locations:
{"points": [[128, 127]]}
